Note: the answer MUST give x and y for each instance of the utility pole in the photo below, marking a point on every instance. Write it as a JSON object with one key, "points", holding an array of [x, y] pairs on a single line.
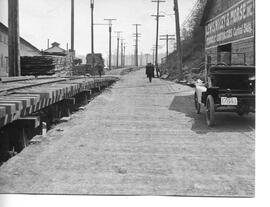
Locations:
{"points": [[157, 18], [178, 39], [153, 50], [92, 2], [124, 56], [167, 37], [72, 26], [141, 59], [118, 39], [147, 57], [136, 44], [110, 41], [122, 53], [13, 38], [134, 55]]}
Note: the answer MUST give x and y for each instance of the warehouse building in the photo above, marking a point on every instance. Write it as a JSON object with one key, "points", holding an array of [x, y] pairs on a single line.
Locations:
{"points": [[27, 49], [229, 32]]}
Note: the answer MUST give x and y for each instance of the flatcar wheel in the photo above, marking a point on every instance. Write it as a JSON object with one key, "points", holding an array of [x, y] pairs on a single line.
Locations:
{"points": [[210, 111], [197, 104]]}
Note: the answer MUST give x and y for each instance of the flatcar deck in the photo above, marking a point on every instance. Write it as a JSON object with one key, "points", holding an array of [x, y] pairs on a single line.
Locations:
{"points": [[23, 96]]}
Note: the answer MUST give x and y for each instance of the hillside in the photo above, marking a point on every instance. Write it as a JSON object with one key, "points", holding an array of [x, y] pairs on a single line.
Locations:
{"points": [[192, 46]]}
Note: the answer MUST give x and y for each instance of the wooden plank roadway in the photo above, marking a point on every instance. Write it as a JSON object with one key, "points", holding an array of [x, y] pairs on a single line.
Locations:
{"points": [[30, 98]]}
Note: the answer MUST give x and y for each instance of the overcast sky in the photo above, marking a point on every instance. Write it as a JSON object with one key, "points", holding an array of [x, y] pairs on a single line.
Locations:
{"points": [[43, 19]]}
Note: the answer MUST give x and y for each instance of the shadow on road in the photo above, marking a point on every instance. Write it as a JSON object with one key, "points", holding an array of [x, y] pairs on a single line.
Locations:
{"points": [[225, 122]]}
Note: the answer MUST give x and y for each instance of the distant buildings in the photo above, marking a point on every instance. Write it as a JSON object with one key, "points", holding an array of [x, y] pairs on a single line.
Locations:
{"points": [[27, 49]]}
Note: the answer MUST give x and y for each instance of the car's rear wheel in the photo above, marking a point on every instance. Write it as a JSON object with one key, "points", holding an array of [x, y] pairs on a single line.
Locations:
{"points": [[197, 104], [210, 111]]}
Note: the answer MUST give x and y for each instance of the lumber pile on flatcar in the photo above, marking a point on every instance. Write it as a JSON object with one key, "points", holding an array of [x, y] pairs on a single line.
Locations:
{"points": [[45, 65]]}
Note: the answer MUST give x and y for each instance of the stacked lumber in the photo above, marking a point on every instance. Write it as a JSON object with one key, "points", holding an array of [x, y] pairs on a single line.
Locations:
{"points": [[85, 69], [45, 65], [81, 70]]}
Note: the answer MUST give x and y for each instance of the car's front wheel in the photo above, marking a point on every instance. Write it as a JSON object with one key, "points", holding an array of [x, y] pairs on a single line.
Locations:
{"points": [[210, 111]]}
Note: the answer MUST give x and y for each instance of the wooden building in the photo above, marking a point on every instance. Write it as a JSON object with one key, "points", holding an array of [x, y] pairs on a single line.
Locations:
{"points": [[55, 49], [229, 31], [27, 49]]}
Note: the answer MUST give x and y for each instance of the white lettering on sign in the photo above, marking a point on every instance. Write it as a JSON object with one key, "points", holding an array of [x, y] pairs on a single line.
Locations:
{"points": [[235, 23]]}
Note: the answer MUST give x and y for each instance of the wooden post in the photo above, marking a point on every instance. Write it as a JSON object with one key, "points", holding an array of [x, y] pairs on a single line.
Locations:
{"points": [[92, 33], [14, 38], [167, 37], [157, 31], [117, 52], [110, 41], [72, 26], [178, 39]]}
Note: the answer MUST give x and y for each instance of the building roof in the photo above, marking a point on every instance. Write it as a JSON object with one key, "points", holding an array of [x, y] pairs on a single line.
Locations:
{"points": [[55, 49], [4, 29]]}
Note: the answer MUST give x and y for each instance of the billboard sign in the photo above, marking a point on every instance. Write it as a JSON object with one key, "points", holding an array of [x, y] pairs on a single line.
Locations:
{"points": [[236, 23]]}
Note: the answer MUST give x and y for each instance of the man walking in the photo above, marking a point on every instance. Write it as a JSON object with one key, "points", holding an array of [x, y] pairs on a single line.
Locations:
{"points": [[100, 70], [150, 71]]}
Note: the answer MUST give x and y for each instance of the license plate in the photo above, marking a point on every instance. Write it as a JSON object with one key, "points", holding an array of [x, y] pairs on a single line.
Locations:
{"points": [[232, 101]]}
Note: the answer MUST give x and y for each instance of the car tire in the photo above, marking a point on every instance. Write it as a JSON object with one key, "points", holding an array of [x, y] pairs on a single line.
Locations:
{"points": [[210, 111], [197, 104]]}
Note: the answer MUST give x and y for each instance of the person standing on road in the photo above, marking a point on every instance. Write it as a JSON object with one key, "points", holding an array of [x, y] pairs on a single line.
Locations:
{"points": [[100, 70], [158, 72], [150, 71]]}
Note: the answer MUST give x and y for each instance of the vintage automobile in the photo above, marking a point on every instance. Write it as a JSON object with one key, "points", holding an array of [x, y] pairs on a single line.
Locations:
{"points": [[226, 89]]}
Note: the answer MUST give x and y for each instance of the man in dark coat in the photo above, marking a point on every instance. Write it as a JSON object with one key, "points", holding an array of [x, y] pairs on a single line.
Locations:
{"points": [[150, 71], [100, 69]]}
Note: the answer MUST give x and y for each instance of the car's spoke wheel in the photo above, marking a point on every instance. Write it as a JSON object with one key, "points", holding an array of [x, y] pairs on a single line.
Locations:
{"points": [[210, 111], [197, 104]]}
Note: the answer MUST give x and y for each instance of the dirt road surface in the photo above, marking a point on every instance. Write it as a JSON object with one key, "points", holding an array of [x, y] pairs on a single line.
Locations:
{"points": [[139, 138]]}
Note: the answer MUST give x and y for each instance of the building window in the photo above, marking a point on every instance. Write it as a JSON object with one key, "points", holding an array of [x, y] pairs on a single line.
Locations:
{"points": [[224, 54]]}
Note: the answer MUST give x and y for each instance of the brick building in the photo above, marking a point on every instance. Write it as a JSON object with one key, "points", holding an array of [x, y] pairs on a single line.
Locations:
{"points": [[229, 31], [27, 49]]}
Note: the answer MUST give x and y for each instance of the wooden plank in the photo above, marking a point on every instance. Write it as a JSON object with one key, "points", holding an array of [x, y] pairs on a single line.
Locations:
{"points": [[25, 101], [18, 104], [2, 111], [9, 107], [34, 98], [42, 94]]}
